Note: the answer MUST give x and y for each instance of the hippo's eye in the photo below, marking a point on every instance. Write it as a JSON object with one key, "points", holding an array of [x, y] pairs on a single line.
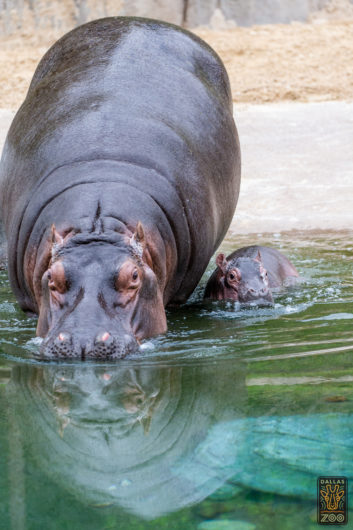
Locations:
{"points": [[234, 275], [263, 273], [128, 277], [56, 278], [51, 283], [135, 279]]}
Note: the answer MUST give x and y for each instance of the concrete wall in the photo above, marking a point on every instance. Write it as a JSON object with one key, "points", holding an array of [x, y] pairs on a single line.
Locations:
{"points": [[29, 15], [248, 12]]}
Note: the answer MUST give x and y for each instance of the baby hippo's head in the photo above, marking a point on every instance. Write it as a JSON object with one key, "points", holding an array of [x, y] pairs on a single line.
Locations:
{"points": [[242, 279]]}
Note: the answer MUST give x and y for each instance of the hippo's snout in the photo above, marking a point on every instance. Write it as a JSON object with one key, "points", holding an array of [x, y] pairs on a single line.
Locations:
{"points": [[259, 295], [104, 346]]}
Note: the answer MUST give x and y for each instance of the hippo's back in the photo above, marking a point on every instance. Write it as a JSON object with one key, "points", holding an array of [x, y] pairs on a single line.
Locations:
{"points": [[141, 93]]}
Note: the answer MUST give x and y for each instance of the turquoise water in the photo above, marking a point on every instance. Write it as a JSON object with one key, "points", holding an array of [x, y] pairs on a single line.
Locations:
{"points": [[225, 422]]}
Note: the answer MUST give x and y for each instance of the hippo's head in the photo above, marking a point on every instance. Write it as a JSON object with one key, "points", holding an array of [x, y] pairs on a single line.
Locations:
{"points": [[99, 296], [244, 279]]}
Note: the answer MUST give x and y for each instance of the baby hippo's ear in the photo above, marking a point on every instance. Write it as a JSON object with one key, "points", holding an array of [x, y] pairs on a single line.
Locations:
{"points": [[221, 263]]}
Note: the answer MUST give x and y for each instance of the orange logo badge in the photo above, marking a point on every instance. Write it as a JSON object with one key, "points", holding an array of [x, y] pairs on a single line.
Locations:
{"points": [[332, 497]]}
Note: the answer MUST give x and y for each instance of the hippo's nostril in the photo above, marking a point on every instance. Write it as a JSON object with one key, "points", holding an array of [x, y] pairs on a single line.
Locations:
{"points": [[104, 340], [104, 345], [61, 346], [105, 336], [64, 337]]}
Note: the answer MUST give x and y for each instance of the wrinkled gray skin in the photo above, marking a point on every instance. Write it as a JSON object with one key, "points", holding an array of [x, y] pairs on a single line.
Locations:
{"points": [[249, 274], [119, 178], [2, 247]]}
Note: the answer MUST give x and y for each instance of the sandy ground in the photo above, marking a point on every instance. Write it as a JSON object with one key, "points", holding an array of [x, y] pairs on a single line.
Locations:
{"points": [[297, 62], [301, 62]]}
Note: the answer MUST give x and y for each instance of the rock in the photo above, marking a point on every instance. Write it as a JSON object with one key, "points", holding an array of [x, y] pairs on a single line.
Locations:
{"points": [[226, 492], [218, 14], [208, 509], [168, 11], [248, 12], [333, 10], [225, 524], [218, 21], [199, 12]]}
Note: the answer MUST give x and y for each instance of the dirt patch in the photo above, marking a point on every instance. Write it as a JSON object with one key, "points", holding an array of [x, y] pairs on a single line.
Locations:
{"points": [[304, 62]]}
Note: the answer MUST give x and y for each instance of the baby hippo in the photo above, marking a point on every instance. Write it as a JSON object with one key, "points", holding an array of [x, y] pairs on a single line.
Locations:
{"points": [[249, 274]]}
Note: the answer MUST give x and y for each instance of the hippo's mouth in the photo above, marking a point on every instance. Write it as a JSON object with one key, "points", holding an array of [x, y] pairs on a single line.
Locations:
{"points": [[105, 347]]}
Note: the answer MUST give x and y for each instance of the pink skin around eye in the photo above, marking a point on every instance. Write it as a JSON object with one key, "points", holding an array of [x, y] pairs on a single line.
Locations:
{"points": [[234, 276]]}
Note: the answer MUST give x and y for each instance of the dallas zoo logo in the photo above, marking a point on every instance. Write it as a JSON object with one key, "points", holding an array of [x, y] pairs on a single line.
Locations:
{"points": [[332, 500]]}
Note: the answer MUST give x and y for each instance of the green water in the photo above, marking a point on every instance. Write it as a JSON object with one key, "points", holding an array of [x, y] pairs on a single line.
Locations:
{"points": [[224, 423]]}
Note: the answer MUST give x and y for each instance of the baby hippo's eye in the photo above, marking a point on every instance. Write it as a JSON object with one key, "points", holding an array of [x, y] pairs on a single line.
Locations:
{"points": [[234, 275], [263, 273], [135, 275]]}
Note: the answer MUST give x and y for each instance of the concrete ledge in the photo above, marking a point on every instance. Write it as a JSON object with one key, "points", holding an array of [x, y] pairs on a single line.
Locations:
{"points": [[297, 167]]}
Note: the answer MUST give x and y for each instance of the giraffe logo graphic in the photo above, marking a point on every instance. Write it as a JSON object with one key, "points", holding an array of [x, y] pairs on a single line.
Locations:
{"points": [[332, 500]]}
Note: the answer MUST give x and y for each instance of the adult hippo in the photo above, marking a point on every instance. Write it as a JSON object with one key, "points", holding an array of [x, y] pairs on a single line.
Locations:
{"points": [[119, 178]]}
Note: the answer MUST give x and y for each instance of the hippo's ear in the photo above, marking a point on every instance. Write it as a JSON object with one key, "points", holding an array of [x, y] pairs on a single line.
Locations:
{"points": [[258, 257], [221, 263], [57, 240], [138, 241]]}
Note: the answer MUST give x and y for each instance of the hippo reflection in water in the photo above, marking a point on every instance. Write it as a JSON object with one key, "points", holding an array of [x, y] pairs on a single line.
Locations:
{"points": [[119, 435], [156, 439], [118, 181]]}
